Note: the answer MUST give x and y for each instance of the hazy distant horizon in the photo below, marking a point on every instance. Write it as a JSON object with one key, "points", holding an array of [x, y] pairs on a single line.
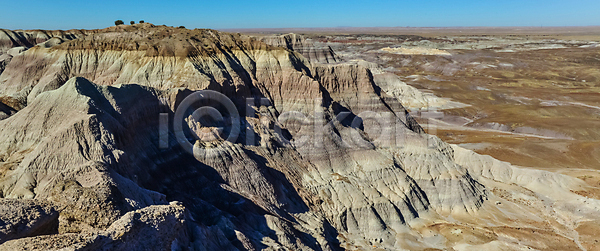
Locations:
{"points": [[414, 27], [237, 14], [346, 27], [458, 30]]}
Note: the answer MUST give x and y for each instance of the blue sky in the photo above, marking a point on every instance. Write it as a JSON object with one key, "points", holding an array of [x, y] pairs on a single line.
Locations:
{"points": [[66, 14]]}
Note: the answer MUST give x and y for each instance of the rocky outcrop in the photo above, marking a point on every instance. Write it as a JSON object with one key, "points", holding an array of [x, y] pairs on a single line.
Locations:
{"points": [[13, 43], [5, 111], [154, 56], [411, 97], [306, 47], [24, 218], [348, 169], [29, 38], [152, 228]]}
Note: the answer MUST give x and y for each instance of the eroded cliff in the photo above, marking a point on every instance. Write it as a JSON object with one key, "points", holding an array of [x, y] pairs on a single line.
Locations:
{"points": [[86, 135]]}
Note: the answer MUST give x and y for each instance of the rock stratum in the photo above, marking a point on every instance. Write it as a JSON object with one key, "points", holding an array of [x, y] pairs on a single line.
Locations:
{"points": [[87, 161], [312, 51]]}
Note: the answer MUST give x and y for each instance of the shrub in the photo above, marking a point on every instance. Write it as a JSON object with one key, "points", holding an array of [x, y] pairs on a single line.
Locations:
{"points": [[132, 22], [141, 21], [183, 27], [119, 22]]}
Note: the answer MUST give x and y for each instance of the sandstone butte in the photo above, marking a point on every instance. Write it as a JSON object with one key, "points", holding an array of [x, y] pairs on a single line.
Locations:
{"points": [[81, 167]]}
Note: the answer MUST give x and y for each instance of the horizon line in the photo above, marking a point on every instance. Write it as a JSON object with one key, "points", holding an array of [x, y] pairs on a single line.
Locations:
{"points": [[331, 27]]}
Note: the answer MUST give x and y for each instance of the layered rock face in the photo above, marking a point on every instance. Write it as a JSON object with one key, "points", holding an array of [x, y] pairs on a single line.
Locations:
{"points": [[304, 46], [103, 136], [13, 43]]}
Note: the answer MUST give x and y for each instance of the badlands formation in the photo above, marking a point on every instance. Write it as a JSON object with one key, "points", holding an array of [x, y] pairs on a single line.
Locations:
{"points": [[87, 161]]}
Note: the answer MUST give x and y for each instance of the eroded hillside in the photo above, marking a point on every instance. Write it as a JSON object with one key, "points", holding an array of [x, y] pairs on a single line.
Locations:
{"points": [[103, 147]]}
